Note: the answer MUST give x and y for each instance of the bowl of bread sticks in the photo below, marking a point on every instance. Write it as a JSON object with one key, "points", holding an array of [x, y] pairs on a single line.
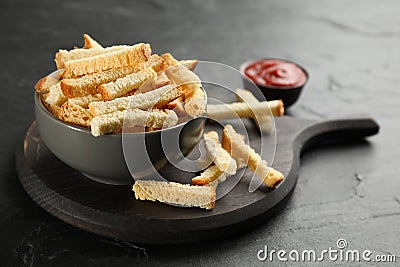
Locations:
{"points": [[99, 96]]}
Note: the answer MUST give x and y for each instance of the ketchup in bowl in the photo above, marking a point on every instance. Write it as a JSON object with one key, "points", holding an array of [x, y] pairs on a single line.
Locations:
{"points": [[276, 79], [275, 73]]}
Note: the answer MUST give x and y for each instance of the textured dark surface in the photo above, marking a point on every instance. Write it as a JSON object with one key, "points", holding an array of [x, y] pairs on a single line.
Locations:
{"points": [[351, 50], [69, 195]]}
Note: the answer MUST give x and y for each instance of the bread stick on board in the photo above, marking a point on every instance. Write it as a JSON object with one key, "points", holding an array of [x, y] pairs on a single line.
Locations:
{"points": [[245, 155], [175, 193]]}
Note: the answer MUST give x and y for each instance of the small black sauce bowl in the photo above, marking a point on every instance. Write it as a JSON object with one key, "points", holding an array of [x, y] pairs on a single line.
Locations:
{"points": [[289, 95]]}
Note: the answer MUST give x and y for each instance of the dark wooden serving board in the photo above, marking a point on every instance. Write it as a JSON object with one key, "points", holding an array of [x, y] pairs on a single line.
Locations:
{"points": [[112, 211]]}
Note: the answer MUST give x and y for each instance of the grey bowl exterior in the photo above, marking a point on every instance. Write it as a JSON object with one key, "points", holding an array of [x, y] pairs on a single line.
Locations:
{"points": [[102, 158]]}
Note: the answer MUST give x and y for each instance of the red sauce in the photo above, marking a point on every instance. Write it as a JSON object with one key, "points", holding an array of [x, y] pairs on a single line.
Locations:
{"points": [[277, 73]]}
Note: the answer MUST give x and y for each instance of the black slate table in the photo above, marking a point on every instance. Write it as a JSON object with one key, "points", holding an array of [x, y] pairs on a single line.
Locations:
{"points": [[350, 48]]}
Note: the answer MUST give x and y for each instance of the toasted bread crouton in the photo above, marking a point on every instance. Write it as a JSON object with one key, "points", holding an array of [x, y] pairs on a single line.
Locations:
{"points": [[222, 160], [62, 56], [243, 110], [133, 55], [160, 80], [153, 99], [209, 175], [90, 42], [245, 155], [194, 97], [195, 103], [113, 122], [262, 119], [155, 61], [169, 61], [123, 85], [190, 64], [89, 84], [56, 96], [44, 84], [74, 114], [154, 82], [175, 193], [178, 106], [84, 101], [53, 109]]}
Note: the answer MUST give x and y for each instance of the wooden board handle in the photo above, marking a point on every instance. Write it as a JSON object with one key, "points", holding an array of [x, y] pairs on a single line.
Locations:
{"points": [[344, 129]]}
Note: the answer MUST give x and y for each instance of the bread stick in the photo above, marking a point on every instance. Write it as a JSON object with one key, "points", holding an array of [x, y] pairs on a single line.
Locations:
{"points": [[128, 56], [89, 84], [243, 110], [113, 122], [262, 120], [90, 42], [169, 61], [195, 104], [189, 63], [194, 97], [63, 56], [53, 109], [156, 98], [175, 193], [44, 84], [55, 96], [74, 114], [208, 176], [154, 82], [84, 101], [123, 85], [224, 165], [222, 160], [245, 155]]}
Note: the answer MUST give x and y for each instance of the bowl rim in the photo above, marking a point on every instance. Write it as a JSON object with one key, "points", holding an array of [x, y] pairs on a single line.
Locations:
{"points": [[39, 103], [245, 64]]}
